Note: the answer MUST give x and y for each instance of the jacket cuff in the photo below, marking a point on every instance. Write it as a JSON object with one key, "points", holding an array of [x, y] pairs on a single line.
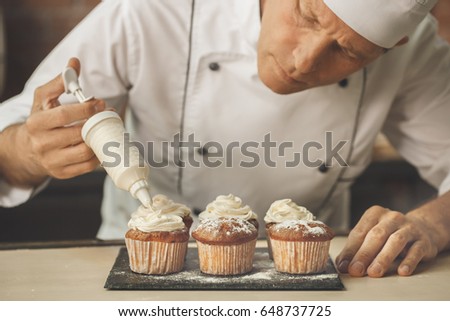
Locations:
{"points": [[445, 186], [11, 196]]}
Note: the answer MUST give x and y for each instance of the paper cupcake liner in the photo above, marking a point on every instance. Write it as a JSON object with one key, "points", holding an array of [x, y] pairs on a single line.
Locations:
{"points": [[156, 257], [226, 259], [269, 245], [300, 257]]}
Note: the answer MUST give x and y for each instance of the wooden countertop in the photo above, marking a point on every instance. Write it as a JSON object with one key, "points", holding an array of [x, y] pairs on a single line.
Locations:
{"points": [[80, 273]]}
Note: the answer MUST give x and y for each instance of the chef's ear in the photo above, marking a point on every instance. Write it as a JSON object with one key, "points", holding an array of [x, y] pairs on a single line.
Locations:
{"points": [[402, 41]]}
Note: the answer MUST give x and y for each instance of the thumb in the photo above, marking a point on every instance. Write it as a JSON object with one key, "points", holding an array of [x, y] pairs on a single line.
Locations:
{"points": [[47, 95], [75, 64]]}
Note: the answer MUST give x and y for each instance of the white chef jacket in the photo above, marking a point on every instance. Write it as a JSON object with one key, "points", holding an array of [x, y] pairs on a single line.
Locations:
{"points": [[155, 57]]}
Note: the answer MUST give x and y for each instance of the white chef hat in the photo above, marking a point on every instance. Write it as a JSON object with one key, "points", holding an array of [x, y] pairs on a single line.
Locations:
{"points": [[383, 22]]}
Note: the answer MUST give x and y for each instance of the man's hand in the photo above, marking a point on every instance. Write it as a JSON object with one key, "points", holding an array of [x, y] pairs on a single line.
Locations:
{"points": [[383, 235], [47, 144]]}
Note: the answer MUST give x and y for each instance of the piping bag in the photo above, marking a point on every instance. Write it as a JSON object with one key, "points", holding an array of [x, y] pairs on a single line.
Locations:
{"points": [[104, 134]]}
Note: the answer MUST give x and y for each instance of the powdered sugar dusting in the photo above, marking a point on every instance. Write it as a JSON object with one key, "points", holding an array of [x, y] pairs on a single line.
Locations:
{"points": [[263, 276], [263, 270], [298, 224], [234, 226]]}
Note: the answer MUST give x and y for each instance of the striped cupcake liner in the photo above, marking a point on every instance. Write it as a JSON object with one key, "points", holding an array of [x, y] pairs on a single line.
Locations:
{"points": [[156, 257], [226, 259], [300, 257]]}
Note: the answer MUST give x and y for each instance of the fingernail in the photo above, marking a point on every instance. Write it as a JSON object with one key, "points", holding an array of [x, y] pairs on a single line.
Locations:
{"points": [[343, 266], [376, 269], [357, 267], [405, 269]]}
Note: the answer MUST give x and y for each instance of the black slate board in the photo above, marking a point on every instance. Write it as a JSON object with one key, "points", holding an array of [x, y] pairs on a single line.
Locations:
{"points": [[262, 277]]}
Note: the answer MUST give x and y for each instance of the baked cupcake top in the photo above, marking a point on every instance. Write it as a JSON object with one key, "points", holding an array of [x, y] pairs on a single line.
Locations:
{"points": [[228, 206], [225, 231], [164, 216], [286, 209], [300, 230]]}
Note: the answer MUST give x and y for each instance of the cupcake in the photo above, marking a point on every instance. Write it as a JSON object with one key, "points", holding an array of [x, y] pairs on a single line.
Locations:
{"points": [[225, 245], [229, 206], [158, 237], [300, 246], [284, 210]]}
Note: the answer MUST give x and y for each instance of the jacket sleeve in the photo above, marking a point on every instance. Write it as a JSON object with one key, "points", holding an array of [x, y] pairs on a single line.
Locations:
{"points": [[105, 45], [418, 124]]}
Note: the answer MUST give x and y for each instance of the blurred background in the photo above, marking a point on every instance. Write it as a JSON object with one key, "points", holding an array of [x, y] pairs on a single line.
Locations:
{"points": [[70, 209]]}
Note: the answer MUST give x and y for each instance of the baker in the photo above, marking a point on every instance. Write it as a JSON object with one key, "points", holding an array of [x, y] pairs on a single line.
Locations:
{"points": [[265, 100]]}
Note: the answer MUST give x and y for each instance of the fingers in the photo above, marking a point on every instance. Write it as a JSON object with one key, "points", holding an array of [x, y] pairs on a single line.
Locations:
{"points": [[381, 237], [55, 87], [421, 250], [375, 241], [70, 161], [66, 114], [75, 64], [69, 156], [74, 170], [57, 139], [357, 236], [54, 134], [46, 101], [414, 255], [79, 153], [391, 250], [56, 147], [46, 96], [69, 136], [354, 242]]}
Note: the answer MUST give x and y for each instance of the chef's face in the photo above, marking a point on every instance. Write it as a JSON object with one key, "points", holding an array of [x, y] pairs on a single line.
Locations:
{"points": [[303, 44]]}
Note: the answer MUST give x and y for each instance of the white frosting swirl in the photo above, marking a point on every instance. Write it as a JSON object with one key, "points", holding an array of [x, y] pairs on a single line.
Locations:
{"points": [[156, 223], [164, 216], [227, 206], [286, 209], [164, 205]]}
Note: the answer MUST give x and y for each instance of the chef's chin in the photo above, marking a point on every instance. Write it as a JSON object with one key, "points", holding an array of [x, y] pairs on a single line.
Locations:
{"points": [[278, 81], [278, 86]]}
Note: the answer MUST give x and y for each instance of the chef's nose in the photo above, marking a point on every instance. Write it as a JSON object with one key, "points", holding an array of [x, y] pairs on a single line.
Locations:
{"points": [[310, 52]]}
